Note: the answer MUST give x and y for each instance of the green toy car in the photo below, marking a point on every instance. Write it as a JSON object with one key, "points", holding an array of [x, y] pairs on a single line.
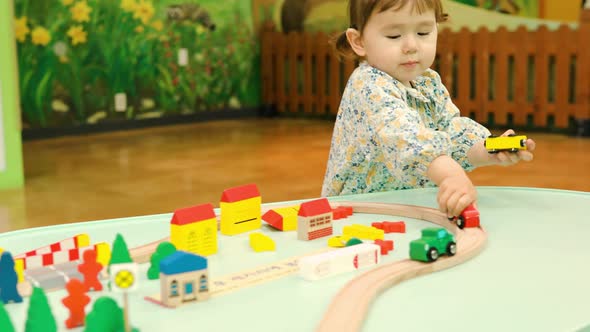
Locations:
{"points": [[435, 241]]}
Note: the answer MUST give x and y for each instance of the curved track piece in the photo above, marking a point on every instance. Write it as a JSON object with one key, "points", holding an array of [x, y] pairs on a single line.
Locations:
{"points": [[348, 309]]}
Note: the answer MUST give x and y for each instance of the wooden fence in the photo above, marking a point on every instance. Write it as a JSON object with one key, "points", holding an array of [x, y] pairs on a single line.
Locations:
{"points": [[534, 79]]}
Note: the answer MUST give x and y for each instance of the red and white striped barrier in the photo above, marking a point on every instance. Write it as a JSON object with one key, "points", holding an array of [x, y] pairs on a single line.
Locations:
{"points": [[64, 256], [80, 240]]}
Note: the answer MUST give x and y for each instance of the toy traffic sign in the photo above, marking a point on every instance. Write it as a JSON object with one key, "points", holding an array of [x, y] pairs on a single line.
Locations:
{"points": [[123, 277]]}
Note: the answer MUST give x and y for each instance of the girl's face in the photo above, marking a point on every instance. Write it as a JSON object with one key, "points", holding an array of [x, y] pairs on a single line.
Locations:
{"points": [[399, 42]]}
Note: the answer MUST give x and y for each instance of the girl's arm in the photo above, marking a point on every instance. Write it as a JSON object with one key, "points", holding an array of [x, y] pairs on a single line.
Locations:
{"points": [[456, 191]]}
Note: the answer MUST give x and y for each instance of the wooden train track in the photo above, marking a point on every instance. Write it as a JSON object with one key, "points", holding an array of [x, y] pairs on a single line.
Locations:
{"points": [[349, 307]]}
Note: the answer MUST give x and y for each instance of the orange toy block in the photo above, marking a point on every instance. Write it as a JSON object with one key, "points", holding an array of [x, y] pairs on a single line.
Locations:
{"points": [[391, 226], [90, 269], [75, 302], [386, 246]]}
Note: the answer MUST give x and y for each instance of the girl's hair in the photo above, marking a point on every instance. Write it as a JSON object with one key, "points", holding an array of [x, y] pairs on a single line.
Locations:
{"points": [[359, 12]]}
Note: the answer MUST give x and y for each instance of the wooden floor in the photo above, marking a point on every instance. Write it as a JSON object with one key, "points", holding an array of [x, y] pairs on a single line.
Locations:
{"points": [[158, 170]]}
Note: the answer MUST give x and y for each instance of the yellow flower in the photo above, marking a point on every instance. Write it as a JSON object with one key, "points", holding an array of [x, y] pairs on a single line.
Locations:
{"points": [[40, 36], [64, 59], [77, 34], [139, 29], [67, 2], [144, 11], [199, 30], [158, 25], [21, 30], [128, 5], [81, 12]]}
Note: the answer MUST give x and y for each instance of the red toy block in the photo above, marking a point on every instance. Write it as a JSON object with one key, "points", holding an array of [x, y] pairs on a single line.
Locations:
{"points": [[391, 226], [378, 225], [386, 246], [341, 212], [394, 226], [348, 210], [274, 219]]}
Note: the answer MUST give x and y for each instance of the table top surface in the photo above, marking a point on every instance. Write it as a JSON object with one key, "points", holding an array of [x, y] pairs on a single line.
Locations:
{"points": [[535, 261]]}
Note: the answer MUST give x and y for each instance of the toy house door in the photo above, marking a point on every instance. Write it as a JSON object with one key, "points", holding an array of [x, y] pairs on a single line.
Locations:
{"points": [[189, 292]]}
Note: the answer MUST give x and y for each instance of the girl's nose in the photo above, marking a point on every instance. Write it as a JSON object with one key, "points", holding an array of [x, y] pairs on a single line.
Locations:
{"points": [[410, 46]]}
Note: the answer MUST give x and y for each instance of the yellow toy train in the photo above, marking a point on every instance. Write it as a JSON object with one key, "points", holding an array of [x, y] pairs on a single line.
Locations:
{"points": [[512, 143]]}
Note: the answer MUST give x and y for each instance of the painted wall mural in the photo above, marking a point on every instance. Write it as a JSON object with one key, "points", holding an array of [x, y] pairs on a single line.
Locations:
{"points": [[330, 15], [85, 61]]}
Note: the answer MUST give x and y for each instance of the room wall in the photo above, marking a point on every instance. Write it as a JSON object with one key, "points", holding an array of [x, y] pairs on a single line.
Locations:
{"points": [[330, 15], [11, 169], [106, 61]]}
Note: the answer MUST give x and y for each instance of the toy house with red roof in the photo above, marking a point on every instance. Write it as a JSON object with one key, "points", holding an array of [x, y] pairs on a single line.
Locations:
{"points": [[194, 229], [314, 220], [240, 209], [284, 219]]}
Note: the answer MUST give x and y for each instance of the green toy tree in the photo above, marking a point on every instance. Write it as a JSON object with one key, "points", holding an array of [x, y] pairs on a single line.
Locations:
{"points": [[164, 250], [5, 323], [120, 253], [106, 316], [39, 316]]}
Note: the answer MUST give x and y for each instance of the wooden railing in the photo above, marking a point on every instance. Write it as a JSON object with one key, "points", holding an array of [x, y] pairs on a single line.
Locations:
{"points": [[535, 79]]}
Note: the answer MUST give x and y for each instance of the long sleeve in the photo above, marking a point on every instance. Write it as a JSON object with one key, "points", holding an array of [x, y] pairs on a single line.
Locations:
{"points": [[463, 131], [407, 144]]}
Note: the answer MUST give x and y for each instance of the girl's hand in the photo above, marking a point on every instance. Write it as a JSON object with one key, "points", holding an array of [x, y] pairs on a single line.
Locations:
{"points": [[506, 158], [455, 193]]}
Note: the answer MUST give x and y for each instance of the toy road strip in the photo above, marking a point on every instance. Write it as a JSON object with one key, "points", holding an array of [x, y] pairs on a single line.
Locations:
{"points": [[34, 268], [255, 276]]}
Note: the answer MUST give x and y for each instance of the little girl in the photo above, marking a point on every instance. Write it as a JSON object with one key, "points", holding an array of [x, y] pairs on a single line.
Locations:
{"points": [[397, 127]]}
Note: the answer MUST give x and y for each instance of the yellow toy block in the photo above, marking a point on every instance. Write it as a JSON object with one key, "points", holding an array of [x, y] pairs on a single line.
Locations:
{"points": [[82, 240], [241, 216], [289, 215], [1, 250], [19, 268], [260, 242], [103, 253], [363, 232], [199, 238], [338, 241]]}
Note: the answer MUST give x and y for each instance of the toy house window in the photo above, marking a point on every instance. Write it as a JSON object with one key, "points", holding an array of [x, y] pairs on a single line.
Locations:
{"points": [[174, 288], [203, 283], [188, 288]]}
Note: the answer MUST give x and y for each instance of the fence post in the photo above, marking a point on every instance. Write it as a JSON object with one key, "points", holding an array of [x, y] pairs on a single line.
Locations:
{"points": [[583, 114], [266, 65]]}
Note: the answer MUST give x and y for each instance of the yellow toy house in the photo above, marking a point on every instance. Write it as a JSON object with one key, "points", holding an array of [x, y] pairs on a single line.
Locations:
{"points": [[240, 209], [194, 230]]}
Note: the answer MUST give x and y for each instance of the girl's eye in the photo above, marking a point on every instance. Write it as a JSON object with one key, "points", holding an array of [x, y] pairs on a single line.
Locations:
{"points": [[423, 33], [394, 37]]}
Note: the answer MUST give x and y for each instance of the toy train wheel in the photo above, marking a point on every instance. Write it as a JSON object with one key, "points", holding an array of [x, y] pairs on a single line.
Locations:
{"points": [[460, 222], [432, 255], [452, 248], [523, 143]]}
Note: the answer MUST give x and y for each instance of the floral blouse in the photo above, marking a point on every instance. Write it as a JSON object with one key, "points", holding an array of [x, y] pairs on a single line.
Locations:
{"points": [[386, 134]]}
